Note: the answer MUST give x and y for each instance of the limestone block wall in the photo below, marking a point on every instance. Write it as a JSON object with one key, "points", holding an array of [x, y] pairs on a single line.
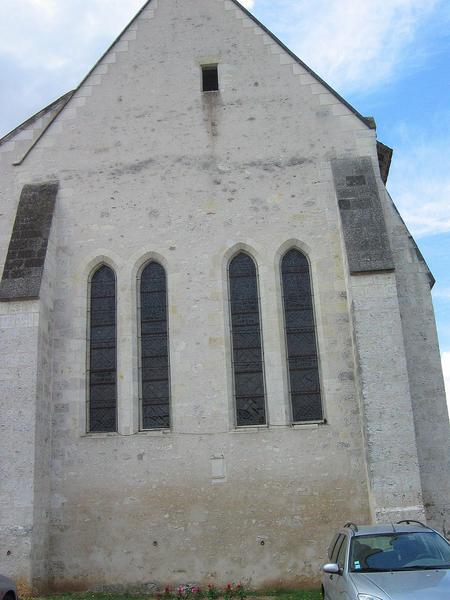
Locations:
{"points": [[391, 447], [150, 167], [26, 336], [386, 404], [19, 333], [429, 406], [44, 414], [235, 177]]}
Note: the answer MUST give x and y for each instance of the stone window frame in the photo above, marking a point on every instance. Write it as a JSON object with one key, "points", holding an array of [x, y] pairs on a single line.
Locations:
{"points": [[283, 250], [143, 264], [230, 255], [94, 269]]}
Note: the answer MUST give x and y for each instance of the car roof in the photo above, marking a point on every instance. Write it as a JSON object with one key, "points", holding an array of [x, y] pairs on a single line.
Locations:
{"points": [[386, 528]]}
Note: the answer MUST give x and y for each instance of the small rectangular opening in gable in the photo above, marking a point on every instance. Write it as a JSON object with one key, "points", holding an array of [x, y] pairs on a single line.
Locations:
{"points": [[210, 78]]}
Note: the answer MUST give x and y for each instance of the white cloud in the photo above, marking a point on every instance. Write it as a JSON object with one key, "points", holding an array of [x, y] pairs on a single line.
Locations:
{"points": [[47, 9], [353, 44], [51, 32], [446, 369], [442, 294], [356, 44], [420, 184]]}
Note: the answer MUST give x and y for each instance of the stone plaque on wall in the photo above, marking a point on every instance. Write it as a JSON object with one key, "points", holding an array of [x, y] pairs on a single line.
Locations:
{"points": [[362, 217]]}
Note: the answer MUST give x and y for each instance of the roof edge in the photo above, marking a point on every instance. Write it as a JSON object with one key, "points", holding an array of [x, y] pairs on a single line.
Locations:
{"points": [[384, 160], [431, 278], [73, 92], [62, 99], [368, 121], [111, 46]]}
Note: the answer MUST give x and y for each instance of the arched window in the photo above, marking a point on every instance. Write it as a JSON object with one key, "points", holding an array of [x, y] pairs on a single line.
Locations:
{"points": [[102, 413], [246, 340], [154, 348], [300, 338]]}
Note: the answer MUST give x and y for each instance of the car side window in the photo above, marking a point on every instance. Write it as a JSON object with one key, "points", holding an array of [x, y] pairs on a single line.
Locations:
{"points": [[336, 548], [342, 553]]}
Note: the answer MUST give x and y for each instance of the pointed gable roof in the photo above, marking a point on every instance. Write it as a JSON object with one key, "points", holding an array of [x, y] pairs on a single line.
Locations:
{"points": [[368, 121]]}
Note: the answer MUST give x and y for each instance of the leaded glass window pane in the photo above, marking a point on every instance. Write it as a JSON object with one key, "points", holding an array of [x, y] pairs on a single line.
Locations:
{"points": [[246, 340], [301, 338], [102, 352], [154, 367]]}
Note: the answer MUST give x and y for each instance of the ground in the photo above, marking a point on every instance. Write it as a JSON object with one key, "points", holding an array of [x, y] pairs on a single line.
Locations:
{"points": [[272, 595]]}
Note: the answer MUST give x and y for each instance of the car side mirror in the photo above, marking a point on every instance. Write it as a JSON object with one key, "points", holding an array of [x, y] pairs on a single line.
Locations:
{"points": [[332, 569]]}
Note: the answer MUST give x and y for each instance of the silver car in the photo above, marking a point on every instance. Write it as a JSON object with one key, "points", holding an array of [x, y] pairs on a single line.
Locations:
{"points": [[405, 561], [7, 589]]}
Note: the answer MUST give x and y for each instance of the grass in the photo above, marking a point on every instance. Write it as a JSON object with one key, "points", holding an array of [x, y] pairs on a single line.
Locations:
{"points": [[291, 594], [304, 595]]}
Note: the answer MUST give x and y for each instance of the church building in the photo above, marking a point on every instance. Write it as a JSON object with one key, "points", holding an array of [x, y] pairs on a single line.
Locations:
{"points": [[216, 333]]}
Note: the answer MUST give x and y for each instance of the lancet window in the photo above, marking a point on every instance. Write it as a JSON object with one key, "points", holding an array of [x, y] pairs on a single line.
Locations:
{"points": [[247, 354], [102, 361], [302, 355], [154, 348]]}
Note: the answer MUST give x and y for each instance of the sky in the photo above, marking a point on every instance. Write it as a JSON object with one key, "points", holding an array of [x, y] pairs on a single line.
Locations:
{"points": [[390, 60]]}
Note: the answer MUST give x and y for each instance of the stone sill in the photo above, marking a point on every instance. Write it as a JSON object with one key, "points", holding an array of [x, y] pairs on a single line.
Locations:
{"points": [[100, 435], [237, 430], [308, 425], [250, 429], [154, 432], [150, 432]]}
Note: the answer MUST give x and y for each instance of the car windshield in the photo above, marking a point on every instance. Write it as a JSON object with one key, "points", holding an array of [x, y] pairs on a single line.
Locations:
{"points": [[399, 552]]}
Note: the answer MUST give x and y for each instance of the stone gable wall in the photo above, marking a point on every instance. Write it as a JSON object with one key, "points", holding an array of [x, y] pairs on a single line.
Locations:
{"points": [[150, 167]]}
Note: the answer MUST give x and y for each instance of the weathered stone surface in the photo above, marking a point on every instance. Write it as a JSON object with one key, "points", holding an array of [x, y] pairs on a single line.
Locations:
{"points": [[394, 472], [146, 587], [362, 217], [22, 273], [429, 406], [151, 169]]}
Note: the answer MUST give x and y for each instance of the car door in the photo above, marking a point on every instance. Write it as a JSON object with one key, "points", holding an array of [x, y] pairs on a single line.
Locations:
{"points": [[329, 581]]}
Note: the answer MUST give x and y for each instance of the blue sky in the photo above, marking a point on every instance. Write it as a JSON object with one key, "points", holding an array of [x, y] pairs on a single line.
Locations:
{"points": [[390, 60]]}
